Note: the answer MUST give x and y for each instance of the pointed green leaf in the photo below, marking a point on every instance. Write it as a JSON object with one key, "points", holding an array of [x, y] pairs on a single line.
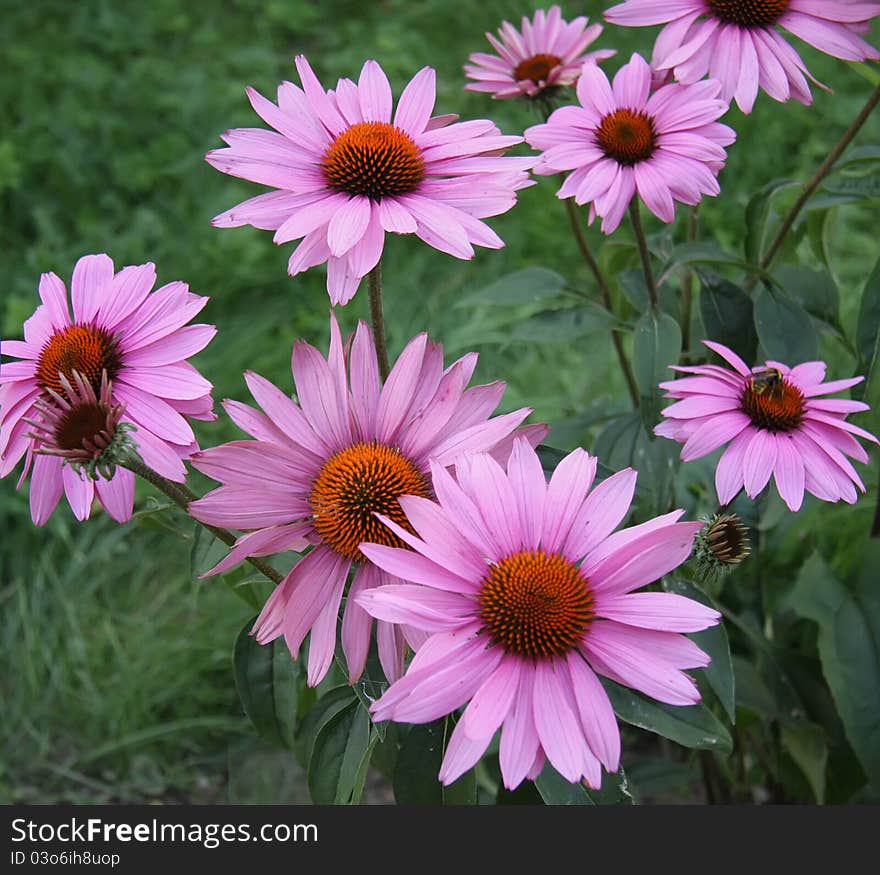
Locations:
{"points": [[268, 683], [338, 756], [726, 311], [784, 328], [556, 790], [719, 673], [527, 286], [849, 646], [417, 768], [807, 746], [691, 725], [656, 346]]}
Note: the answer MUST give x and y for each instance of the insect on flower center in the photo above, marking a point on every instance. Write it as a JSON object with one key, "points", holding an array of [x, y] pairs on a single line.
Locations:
{"points": [[537, 68], [748, 13], [627, 136], [536, 604], [356, 483], [772, 402], [84, 348], [374, 159]]}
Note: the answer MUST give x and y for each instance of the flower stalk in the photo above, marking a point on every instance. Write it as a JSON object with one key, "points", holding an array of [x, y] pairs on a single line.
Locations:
{"points": [[605, 291], [644, 254], [182, 495], [822, 171], [377, 319]]}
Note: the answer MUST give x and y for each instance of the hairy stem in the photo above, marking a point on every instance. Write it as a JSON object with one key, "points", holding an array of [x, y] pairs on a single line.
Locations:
{"points": [[589, 258], [644, 254], [182, 495], [823, 170], [374, 282]]}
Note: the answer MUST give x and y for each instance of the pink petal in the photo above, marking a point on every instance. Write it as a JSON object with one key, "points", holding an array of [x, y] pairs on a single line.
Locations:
{"points": [[117, 495]]}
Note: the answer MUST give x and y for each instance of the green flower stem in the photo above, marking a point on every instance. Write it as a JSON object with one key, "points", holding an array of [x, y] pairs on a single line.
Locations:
{"points": [[823, 170], [644, 254], [374, 283], [590, 259], [182, 495]]}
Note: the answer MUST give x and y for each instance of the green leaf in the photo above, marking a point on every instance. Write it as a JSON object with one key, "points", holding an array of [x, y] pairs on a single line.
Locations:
{"points": [[865, 187], [333, 702], [860, 155], [635, 288], [616, 443], [869, 319], [418, 765], [719, 673], [751, 691], [849, 646], [338, 755], [757, 215], [814, 290], [784, 328], [528, 286], [728, 315], [806, 745], [556, 790], [268, 683], [558, 326], [656, 346], [691, 725]]}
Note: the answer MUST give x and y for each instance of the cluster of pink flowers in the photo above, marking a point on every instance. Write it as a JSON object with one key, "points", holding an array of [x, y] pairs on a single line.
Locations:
{"points": [[409, 498]]}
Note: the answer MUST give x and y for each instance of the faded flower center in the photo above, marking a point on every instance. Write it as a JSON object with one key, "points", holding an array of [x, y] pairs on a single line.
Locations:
{"points": [[627, 136], [80, 425], [748, 13], [356, 483], [84, 348], [374, 159], [537, 68], [536, 604], [772, 403]]}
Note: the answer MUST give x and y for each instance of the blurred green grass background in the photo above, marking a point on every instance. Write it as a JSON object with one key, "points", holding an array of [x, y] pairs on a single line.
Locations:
{"points": [[116, 681]]}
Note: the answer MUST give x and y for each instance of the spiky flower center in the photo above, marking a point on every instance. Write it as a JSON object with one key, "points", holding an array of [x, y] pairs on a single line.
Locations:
{"points": [[627, 136], [87, 349], [536, 604], [374, 159], [354, 485], [772, 402], [727, 539], [537, 68], [80, 425], [748, 13]]}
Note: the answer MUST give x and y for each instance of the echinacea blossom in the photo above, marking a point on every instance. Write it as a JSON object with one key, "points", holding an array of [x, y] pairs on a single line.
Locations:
{"points": [[547, 52], [318, 472], [346, 173], [139, 339], [623, 141], [83, 429], [737, 41], [775, 422], [526, 594]]}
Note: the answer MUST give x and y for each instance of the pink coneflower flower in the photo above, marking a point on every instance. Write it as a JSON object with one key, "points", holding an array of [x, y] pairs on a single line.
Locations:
{"points": [[548, 52], [622, 141], [346, 173], [320, 470], [775, 423], [141, 341], [84, 429], [526, 594], [736, 41]]}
